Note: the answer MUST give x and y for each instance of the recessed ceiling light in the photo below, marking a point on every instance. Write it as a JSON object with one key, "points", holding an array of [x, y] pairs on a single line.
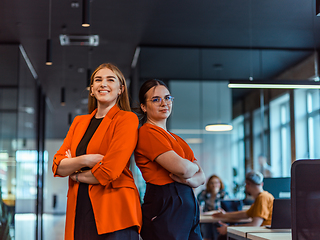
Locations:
{"points": [[75, 5]]}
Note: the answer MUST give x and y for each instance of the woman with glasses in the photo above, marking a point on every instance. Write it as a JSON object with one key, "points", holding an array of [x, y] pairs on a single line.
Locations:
{"points": [[103, 201], [170, 210]]}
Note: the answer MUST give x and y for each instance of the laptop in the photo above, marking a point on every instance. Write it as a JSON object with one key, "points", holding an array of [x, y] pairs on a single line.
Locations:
{"points": [[281, 214], [231, 205]]}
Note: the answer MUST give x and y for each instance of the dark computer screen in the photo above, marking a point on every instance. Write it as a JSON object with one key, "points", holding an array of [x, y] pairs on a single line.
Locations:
{"points": [[231, 205], [278, 187], [305, 200]]}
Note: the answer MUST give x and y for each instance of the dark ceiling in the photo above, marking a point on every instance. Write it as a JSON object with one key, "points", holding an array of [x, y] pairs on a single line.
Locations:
{"points": [[187, 40]]}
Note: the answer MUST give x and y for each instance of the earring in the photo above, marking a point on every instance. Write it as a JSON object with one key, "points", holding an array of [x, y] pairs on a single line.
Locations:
{"points": [[92, 94]]}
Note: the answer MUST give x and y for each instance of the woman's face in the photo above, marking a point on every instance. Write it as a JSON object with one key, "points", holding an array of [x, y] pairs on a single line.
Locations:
{"points": [[214, 185], [106, 87], [157, 106]]}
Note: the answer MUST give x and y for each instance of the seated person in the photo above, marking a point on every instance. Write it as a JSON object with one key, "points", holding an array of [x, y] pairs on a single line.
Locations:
{"points": [[260, 211], [211, 198]]}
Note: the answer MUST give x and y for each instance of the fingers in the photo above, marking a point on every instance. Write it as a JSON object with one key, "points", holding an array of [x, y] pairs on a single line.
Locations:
{"points": [[221, 210], [219, 213], [223, 229], [174, 177], [68, 153], [73, 176]]}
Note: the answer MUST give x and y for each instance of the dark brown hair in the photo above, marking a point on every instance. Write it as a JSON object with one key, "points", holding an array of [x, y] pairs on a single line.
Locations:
{"points": [[123, 99], [146, 86]]}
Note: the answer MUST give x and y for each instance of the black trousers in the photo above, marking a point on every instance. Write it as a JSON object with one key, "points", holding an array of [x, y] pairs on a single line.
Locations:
{"points": [[170, 212], [85, 224]]}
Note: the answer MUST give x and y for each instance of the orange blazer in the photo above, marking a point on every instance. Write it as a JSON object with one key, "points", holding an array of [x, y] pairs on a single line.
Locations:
{"points": [[115, 201]]}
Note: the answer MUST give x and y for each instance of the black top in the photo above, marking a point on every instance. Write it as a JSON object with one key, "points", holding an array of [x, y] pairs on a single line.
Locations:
{"points": [[85, 226], [82, 147]]}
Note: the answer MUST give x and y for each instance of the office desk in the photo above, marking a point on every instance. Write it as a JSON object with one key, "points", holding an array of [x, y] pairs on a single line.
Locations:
{"points": [[210, 219], [269, 236], [206, 217], [241, 233]]}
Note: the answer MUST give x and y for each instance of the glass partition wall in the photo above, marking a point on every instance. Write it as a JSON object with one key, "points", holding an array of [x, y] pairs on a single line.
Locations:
{"points": [[196, 104], [20, 147]]}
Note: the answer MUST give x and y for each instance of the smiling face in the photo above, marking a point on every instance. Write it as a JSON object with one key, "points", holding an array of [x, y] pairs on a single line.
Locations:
{"points": [[157, 111], [106, 87]]}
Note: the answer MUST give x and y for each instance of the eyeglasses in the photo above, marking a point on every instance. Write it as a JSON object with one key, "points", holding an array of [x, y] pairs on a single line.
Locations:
{"points": [[158, 100]]}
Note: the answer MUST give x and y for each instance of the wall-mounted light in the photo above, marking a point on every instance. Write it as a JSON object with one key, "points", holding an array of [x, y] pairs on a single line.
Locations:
{"points": [[63, 97], [85, 13], [290, 84]]}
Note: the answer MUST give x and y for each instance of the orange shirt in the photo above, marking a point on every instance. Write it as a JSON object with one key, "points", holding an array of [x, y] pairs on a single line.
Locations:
{"points": [[262, 207], [115, 201], [152, 142]]}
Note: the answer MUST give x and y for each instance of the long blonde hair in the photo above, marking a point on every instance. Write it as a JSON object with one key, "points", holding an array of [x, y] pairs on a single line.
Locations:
{"points": [[122, 100]]}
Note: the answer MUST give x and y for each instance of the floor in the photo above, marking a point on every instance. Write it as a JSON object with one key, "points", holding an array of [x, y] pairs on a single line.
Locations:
{"points": [[24, 227]]}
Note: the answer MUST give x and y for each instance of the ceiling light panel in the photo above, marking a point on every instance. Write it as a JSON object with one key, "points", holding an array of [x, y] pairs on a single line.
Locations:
{"points": [[79, 40]]}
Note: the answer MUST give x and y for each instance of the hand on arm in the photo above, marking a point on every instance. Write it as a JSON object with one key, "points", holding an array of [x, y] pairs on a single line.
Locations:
{"points": [[71, 164], [84, 177], [195, 181], [183, 168]]}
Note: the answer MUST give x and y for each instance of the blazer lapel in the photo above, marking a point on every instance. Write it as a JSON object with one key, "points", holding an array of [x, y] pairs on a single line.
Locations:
{"points": [[96, 140]]}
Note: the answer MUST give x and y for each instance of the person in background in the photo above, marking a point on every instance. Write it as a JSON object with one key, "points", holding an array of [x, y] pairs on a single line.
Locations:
{"points": [[211, 198], [265, 168], [170, 210], [103, 201], [260, 211], [213, 194]]}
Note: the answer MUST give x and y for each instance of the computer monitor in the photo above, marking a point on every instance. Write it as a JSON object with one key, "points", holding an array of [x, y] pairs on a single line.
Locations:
{"points": [[278, 187], [231, 205], [305, 199]]}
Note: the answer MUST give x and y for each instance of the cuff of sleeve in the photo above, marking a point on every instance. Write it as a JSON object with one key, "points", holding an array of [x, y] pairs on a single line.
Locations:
{"points": [[55, 167], [100, 175]]}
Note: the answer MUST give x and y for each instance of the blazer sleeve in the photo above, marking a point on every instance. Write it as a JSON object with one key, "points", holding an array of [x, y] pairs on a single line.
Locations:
{"points": [[122, 144], [61, 153]]}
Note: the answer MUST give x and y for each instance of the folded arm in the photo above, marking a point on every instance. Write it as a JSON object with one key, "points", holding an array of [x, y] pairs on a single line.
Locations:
{"points": [[195, 181], [183, 168], [69, 165]]}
